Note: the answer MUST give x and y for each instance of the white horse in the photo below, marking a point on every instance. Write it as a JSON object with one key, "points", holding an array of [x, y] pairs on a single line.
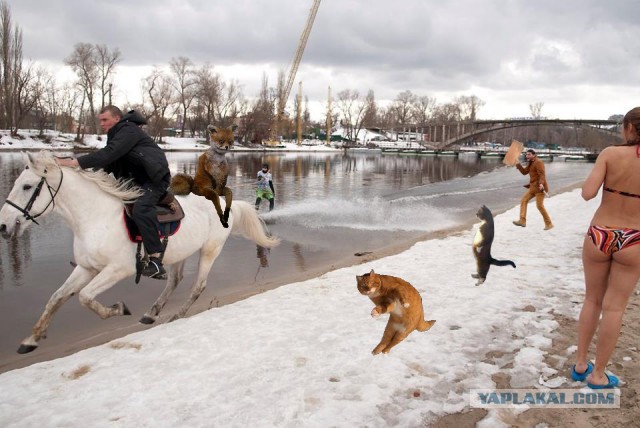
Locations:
{"points": [[92, 205]]}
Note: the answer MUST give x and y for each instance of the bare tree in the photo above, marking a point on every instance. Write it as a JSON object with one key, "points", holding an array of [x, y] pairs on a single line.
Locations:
{"points": [[208, 88], [25, 93], [6, 37], [184, 84], [449, 112], [81, 119], [306, 115], [401, 108], [370, 118], [352, 107], [11, 58], [279, 94], [469, 106], [83, 62], [106, 61], [68, 100], [50, 101], [422, 109], [536, 109], [227, 107], [39, 91], [258, 121], [215, 101], [160, 94]]}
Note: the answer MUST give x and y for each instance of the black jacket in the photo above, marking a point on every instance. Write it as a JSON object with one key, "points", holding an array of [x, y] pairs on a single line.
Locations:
{"points": [[130, 153]]}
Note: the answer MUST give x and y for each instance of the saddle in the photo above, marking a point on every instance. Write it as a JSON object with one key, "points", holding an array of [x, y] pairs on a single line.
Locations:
{"points": [[169, 213]]}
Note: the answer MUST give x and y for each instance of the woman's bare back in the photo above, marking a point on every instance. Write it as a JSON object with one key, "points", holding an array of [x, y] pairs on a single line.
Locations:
{"points": [[622, 174]]}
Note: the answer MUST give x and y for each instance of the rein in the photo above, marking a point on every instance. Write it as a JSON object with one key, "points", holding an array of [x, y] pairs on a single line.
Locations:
{"points": [[34, 196]]}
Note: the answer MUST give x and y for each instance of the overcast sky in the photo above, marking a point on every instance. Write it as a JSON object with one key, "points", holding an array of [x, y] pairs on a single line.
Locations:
{"points": [[581, 58]]}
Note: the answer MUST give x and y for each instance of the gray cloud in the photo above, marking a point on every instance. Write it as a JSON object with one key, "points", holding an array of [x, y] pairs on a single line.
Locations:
{"points": [[502, 47]]}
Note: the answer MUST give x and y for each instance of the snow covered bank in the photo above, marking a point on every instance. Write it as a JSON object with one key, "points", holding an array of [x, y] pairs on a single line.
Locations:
{"points": [[300, 355]]}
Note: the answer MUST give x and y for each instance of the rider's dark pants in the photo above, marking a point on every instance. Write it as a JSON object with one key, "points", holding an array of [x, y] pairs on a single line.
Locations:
{"points": [[145, 216]]}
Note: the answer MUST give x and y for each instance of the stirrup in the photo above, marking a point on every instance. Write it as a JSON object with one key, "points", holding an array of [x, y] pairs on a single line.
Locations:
{"points": [[154, 269]]}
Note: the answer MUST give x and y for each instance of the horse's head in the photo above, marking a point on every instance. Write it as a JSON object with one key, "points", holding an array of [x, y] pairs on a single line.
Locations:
{"points": [[32, 193]]}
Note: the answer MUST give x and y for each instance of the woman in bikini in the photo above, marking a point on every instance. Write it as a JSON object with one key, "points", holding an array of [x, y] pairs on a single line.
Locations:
{"points": [[611, 252]]}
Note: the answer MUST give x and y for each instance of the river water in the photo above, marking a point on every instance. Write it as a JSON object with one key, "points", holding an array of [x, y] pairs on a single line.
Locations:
{"points": [[329, 207]]}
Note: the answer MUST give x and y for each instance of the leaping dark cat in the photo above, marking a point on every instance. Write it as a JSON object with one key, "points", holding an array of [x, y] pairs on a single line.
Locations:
{"points": [[482, 246]]}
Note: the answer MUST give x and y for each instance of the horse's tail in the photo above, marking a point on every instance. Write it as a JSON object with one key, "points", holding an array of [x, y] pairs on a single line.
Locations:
{"points": [[181, 184], [248, 223]]}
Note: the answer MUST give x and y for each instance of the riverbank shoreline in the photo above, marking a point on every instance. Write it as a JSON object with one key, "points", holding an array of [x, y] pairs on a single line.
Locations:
{"points": [[304, 350], [314, 269], [32, 141], [369, 254], [320, 221]]}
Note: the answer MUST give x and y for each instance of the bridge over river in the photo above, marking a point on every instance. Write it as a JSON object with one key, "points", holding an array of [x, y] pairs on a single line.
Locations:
{"points": [[449, 134]]}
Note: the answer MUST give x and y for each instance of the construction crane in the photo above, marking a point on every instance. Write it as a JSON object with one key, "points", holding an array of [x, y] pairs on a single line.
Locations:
{"points": [[293, 69]]}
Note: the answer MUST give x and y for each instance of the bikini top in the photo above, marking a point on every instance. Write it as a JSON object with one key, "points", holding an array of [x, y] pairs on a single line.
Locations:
{"points": [[619, 192]]}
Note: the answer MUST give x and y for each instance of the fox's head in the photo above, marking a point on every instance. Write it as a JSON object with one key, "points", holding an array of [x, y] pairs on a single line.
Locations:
{"points": [[221, 138]]}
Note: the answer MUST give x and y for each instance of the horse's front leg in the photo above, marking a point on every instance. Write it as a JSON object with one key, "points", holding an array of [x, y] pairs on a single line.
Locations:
{"points": [[106, 279], [175, 276], [228, 197], [207, 257], [76, 281]]}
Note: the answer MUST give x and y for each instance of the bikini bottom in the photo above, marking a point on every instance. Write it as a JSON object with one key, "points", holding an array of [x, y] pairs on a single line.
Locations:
{"points": [[609, 240]]}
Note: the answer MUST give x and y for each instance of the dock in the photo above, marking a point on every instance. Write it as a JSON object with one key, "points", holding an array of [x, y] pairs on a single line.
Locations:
{"points": [[480, 152]]}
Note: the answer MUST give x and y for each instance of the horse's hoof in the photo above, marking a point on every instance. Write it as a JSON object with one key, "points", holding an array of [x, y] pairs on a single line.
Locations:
{"points": [[25, 349], [146, 320], [225, 224], [125, 310]]}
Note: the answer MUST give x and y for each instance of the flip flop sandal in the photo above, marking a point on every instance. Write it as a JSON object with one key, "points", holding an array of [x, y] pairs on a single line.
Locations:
{"points": [[613, 382], [579, 377]]}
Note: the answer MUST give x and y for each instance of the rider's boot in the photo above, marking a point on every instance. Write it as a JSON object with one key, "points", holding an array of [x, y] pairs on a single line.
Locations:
{"points": [[154, 269]]}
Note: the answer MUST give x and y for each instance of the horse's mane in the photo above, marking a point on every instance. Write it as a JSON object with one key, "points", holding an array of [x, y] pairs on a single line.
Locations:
{"points": [[121, 189]]}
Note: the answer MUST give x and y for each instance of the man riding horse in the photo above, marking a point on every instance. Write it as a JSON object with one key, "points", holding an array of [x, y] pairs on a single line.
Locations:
{"points": [[131, 154]]}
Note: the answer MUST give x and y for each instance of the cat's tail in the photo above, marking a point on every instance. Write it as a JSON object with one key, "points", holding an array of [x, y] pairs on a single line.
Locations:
{"points": [[425, 325], [502, 262], [181, 184]]}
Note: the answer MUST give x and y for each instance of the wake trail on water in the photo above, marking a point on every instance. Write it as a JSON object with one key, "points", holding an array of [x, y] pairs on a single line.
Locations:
{"points": [[418, 198], [426, 208], [362, 214]]}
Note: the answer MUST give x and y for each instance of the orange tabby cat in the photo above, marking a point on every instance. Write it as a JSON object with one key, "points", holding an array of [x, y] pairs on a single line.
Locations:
{"points": [[398, 298]]}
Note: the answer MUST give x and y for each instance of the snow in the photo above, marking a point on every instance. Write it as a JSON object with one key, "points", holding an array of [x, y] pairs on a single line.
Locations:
{"points": [[30, 140], [300, 355]]}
